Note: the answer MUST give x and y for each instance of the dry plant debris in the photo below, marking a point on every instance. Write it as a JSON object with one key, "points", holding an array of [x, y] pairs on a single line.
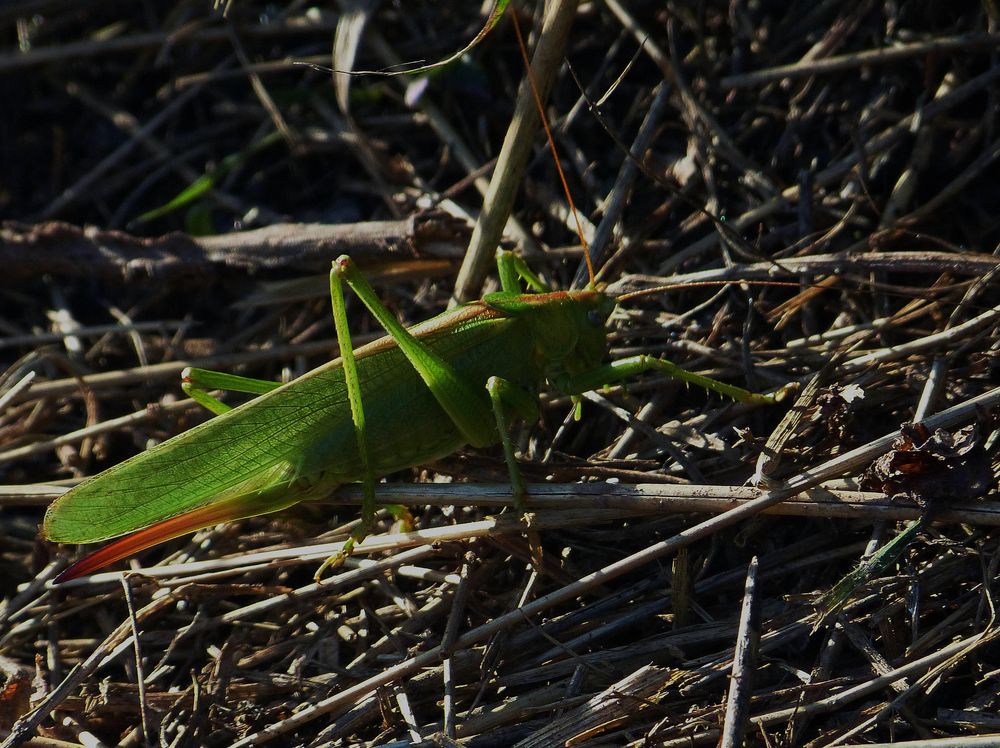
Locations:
{"points": [[174, 183]]}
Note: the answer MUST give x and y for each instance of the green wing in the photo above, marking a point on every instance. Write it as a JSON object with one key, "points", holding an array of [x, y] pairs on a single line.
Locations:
{"points": [[247, 451]]}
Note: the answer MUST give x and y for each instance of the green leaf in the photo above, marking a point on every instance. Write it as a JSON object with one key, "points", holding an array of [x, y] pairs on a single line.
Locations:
{"points": [[203, 184], [495, 14]]}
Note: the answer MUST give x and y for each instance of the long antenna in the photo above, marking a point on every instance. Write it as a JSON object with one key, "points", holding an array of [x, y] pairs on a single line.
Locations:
{"points": [[552, 143], [547, 56]]}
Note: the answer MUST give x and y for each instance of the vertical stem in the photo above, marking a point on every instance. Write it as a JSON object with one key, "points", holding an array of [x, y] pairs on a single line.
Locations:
{"points": [[514, 153]]}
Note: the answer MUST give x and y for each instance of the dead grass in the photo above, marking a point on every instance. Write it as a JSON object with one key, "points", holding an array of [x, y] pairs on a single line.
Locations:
{"points": [[845, 153]]}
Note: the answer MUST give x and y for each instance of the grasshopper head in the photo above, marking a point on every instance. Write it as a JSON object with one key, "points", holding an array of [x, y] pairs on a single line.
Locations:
{"points": [[567, 328], [587, 315]]}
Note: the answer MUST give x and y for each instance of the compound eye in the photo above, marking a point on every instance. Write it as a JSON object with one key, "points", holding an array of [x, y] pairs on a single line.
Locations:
{"points": [[595, 317]]}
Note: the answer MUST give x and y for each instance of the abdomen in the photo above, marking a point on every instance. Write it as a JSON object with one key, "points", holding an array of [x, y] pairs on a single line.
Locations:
{"points": [[406, 426]]}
